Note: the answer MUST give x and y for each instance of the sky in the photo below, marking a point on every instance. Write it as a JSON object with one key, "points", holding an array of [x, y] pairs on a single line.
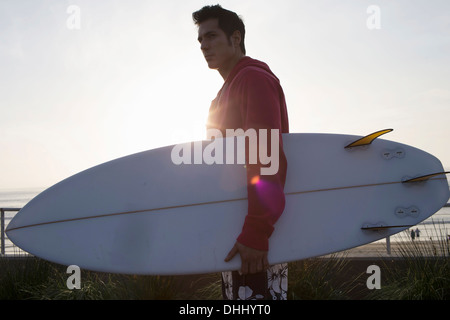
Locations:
{"points": [[83, 82]]}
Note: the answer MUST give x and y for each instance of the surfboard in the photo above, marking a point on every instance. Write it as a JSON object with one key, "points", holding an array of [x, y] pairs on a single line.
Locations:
{"points": [[145, 214]]}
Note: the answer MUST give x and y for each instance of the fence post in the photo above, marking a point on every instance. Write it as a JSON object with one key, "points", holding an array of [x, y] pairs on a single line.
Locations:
{"points": [[388, 245], [2, 230]]}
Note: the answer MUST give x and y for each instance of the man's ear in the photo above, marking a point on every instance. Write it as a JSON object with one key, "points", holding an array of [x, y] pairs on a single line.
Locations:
{"points": [[236, 38]]}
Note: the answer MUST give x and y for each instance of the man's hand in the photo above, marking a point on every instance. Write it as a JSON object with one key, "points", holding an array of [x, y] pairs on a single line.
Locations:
{"points": [[252, 260]]}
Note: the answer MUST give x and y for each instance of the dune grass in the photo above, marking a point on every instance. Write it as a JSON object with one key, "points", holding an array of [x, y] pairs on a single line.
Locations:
{"points": [[425, 270], [422, 272], [37, 279]]}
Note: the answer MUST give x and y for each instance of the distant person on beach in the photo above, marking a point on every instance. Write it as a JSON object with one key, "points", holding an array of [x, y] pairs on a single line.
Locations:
{"points": [[413, 234], [250, 98], [417, 232]]}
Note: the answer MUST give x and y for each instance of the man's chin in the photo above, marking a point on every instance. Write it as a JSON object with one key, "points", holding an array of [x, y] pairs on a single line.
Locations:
{"points": [[212, 65]]}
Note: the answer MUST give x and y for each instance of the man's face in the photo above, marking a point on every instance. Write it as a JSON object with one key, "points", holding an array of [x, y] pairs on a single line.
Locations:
{"points": [[215, 45]]}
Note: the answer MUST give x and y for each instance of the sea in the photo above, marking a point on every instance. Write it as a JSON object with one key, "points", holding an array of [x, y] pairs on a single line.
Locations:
{"points": [[437, 227]]}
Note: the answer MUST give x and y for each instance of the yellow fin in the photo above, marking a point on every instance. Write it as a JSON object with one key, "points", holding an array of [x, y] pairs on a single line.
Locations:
{"points": [[425, 177], [368, 139], [381, 227]]}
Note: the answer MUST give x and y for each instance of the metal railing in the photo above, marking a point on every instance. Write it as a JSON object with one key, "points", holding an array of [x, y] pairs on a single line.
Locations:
{"points": [[3, 227]]}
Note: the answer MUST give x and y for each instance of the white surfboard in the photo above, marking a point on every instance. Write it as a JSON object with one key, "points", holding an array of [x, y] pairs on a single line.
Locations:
{"points": [[143, 214]]}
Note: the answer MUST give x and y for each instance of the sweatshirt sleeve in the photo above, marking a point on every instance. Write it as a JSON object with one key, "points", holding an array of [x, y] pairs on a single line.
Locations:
{"points": [[261, 109]]}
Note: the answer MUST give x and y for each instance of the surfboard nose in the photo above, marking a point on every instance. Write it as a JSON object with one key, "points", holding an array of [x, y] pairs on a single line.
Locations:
{"points": [[11, 225], [18, 222]]}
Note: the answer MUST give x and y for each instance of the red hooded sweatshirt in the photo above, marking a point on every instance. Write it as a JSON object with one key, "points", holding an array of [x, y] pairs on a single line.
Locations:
{"points": [[252, 98]]}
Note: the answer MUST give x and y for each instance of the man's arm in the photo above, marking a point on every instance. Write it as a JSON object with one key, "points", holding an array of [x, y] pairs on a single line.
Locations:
{"points": [[261, 109]]}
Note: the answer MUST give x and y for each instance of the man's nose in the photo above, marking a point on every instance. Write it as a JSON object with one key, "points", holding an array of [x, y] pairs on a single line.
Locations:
{"points": [[204, 46]]}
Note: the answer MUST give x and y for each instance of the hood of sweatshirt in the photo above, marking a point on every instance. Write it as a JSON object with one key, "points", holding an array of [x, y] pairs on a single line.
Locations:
{"points": [[247, 62]]}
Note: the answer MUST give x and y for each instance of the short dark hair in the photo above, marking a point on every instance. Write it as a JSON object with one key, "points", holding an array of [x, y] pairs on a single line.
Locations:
{"points": [[229, 21]]}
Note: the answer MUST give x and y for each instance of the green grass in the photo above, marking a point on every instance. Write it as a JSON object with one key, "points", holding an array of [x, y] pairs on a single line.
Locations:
{"points": [[425, 270], [315, 279], [422, 272], [36, 279]]}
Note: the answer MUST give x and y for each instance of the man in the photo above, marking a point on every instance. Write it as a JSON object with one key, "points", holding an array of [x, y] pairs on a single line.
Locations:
{"points": [[250, 98]]}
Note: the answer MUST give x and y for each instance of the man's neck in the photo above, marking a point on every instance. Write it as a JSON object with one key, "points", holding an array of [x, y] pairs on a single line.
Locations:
{"points": [[226, 70]]}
